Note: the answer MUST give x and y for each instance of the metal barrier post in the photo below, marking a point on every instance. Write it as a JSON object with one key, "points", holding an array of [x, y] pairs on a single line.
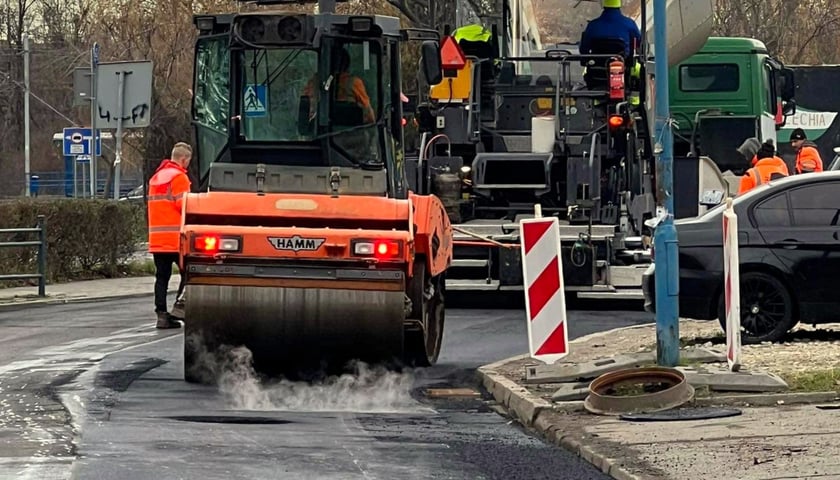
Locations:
{"points": [[42, 256], [41, 243]]}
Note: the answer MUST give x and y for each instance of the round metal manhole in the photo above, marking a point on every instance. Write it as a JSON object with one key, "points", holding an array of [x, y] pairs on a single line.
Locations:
{"points": [[682, 414], [638, 390], [230, 419]]}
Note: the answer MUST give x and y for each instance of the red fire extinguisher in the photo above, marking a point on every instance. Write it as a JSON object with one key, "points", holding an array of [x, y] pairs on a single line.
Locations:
{"points": [[616, 80]]}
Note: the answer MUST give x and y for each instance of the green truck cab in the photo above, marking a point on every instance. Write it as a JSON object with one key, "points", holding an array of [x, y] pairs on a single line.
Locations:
{"points": [[730, 90]]}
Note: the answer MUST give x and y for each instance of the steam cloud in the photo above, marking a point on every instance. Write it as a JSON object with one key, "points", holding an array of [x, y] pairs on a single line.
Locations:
{"points": [[367, 389]]}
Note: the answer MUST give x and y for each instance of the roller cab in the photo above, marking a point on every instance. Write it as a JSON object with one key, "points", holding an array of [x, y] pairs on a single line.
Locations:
{"points": [[303, 243]]}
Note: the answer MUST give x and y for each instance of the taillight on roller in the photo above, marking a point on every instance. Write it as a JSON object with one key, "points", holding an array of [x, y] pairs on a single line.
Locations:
{"points": [[216, 243], [387, 249], [379, 249]]}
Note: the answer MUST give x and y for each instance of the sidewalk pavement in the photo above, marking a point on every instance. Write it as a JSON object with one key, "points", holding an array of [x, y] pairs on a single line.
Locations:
{"points": [[82, 291], [777, 436]]}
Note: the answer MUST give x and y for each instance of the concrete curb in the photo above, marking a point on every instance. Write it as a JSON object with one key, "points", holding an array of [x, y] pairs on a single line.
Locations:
{"points": [[47, 302], [528, 409], [744, 400]]}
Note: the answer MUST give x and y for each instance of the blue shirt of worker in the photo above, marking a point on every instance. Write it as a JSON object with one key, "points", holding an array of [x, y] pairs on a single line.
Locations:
{"points": [[611, 24]]}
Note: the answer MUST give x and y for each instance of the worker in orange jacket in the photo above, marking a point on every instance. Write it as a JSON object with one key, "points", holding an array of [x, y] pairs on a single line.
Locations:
{"points": [[167, 188], [350, 88], [767, 167], [807, 156]]}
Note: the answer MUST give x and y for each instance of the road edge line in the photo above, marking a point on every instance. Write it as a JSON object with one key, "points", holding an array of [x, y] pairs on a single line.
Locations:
{"points": [[49, 302]]}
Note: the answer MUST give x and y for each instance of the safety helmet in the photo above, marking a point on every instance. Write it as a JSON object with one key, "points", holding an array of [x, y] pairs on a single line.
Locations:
{"points": [[611, 3]]}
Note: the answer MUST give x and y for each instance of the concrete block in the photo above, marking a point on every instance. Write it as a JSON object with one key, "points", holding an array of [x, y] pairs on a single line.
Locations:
{"points": [[524, 410], [570, 392], [700, 355], [573, 372], [501, 393], [721, 379]]}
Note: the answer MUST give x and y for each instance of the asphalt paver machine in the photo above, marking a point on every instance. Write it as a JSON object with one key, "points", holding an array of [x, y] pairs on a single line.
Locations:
{"points": [[556, 128]]}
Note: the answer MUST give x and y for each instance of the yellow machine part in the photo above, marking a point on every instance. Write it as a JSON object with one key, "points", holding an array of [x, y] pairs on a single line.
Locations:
{"points": [[290, 330], [455, 89]]}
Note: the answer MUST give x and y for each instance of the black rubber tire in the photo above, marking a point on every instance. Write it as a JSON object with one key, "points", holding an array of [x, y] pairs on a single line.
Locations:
{"points": [[776, 310], [422, 347]]}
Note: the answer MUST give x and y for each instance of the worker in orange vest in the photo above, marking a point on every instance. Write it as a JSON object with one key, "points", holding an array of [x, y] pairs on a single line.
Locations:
{"points": [[349, 88], [167, 188], [807, 156], [767, 167]]}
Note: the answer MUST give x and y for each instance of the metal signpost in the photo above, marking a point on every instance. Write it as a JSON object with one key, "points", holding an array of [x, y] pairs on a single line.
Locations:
{"points": [[94, 61], [665, 235], [26, 139], [118, 155], [81, 164]]}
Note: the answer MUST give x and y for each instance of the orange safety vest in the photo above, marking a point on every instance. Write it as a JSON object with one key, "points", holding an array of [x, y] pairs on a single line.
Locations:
{"points": [[350, 89], [808, 160], [765, 170], [167, 188]]}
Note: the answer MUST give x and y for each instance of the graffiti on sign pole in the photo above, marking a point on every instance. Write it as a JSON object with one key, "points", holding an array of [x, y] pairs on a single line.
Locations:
{"points": [[138, 113], [134, 80]]}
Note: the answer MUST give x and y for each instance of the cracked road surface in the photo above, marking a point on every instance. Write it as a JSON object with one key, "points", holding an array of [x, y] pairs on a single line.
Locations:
{"points": [[93, 391]]}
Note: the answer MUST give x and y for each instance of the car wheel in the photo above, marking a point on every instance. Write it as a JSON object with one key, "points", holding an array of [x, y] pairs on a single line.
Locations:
{"points": [[767, 311]]}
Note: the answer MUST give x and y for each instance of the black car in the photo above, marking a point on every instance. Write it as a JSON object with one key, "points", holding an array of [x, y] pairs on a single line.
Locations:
{"points": [[789, 253]]}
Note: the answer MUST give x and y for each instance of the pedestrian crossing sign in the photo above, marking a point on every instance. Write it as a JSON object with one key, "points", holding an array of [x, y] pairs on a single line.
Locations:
{"points": [[255, 100]]}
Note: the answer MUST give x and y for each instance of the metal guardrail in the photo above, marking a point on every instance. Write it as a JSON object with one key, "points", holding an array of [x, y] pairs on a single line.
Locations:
{"points": [[41, 243]]}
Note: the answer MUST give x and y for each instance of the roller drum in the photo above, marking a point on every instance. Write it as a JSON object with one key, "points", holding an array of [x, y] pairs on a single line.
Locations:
{"points": [[290, 328]]}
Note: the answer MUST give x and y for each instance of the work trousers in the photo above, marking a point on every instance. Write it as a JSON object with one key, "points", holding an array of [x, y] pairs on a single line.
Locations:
{"points": [[163, 273]]}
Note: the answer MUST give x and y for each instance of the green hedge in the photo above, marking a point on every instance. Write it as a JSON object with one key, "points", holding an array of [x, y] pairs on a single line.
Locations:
{"points": [[85, 238]]}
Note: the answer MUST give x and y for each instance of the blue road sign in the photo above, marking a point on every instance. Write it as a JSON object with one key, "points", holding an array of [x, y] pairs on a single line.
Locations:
{"points": [[77, 141], [255, 100]]}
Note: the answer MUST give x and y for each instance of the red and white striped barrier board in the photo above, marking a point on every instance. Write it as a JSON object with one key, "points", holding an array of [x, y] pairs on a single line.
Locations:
{"points": [[545, 303], [732, 287]]}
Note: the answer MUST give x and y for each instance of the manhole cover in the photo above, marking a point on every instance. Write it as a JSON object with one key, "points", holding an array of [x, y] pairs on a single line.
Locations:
{"points": [[679, 414], [636, 390], [230, 419]]}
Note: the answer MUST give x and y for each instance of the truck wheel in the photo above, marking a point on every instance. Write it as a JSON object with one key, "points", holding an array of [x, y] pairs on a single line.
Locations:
{"points": [[767, 309], [422, 347]]}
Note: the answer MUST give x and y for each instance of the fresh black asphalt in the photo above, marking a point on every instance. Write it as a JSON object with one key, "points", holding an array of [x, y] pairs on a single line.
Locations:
{"points": [[92, 391]]}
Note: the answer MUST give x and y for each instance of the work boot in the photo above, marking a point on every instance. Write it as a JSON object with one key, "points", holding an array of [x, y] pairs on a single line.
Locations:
{"points": [[164, 320], [178, 310]]}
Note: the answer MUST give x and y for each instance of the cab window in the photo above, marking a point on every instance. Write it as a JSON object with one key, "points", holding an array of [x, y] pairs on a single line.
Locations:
{"points": [[273, 82], [211, 104], [709, 78]]}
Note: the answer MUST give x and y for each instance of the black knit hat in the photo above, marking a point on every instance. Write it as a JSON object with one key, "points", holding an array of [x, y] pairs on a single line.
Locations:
{"points": [[798, 134], [767, 150]]}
